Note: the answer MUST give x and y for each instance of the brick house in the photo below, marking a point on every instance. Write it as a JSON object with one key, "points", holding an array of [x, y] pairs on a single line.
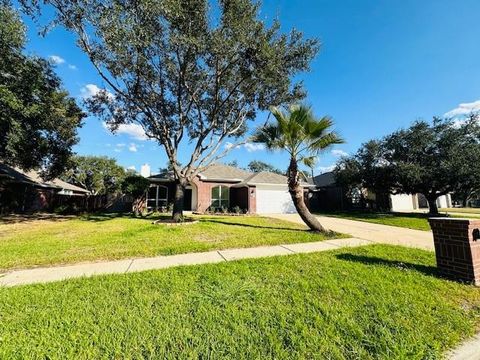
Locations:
{"points": [[329, 196], [223, 186], [22, 191]]}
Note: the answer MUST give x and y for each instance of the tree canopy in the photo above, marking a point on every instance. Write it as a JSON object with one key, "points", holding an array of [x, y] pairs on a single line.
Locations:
{"points": [[190, 72], [38, 120], [433, 159], [98, 174], [257, 166]]}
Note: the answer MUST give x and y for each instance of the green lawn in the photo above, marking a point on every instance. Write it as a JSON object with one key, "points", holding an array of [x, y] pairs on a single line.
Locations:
{"points": [[101, 237], [375, 302], [470, 211], [406, 220]]}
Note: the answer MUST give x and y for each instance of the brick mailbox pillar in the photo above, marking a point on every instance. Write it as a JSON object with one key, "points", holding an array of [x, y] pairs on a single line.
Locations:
{"points": [[457, 248]]}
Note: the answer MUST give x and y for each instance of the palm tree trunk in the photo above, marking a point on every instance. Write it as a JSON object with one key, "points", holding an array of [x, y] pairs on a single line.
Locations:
{"points": [[296, 192]]}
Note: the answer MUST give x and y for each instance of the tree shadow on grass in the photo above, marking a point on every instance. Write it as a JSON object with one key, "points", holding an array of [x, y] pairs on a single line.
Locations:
{"points": [[400, 265], [98, 217], [224, 222], [25, 218]]}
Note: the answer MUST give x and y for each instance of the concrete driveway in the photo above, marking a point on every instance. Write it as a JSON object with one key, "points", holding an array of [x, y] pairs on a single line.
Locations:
{"points": [[383, 234]]}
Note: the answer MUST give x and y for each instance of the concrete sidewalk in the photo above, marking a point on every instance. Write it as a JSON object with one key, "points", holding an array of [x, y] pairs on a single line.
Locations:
{"points": [[377, 233], [57, 273]]}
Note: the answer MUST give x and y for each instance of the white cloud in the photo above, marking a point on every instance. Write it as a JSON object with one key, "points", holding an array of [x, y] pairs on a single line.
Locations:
{"points": [[90, 90], [229, 145], [117, 150], [325, 169], [133, 130], [464, 109], [72, 67], [121, 145], [55, 59], [339, 153], [132, 147], [132, 167], [251, 147]]}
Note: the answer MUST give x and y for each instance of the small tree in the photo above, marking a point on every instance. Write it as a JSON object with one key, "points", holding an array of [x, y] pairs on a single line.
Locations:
{"points": [[136, 186], [186, 70], [98, 174], [38, 120], [258, 166], [303, 136], [431, 159]]}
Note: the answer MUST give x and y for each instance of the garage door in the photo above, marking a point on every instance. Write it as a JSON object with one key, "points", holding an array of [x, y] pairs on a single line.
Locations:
{"points": [[274, 200]]}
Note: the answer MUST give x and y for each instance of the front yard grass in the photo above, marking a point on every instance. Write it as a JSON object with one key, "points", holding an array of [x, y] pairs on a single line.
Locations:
{"points": [[469, 211], [414, 221], [112, 236], [375, 302]]}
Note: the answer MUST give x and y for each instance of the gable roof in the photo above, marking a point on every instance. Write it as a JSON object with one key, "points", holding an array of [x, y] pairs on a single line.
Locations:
{"points": [[224, 172], [33, 178], [227, 173], [266, 177], [325, 179]]}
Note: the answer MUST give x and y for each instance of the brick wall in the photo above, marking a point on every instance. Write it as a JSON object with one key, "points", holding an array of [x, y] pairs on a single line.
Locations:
{"points": [[252, 200], [204, 195], [456, 248]]}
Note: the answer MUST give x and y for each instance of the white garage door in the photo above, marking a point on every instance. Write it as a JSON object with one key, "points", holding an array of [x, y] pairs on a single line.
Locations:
{"points": [[274, 200]]}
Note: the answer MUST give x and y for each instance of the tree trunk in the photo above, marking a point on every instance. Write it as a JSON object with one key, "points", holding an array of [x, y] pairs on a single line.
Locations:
{"points": [[296, 192], [139, 205], [432, 205], [177, 214]]}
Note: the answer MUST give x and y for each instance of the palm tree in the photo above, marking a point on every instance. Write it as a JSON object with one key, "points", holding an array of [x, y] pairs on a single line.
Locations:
{"points": [[303, 136]]}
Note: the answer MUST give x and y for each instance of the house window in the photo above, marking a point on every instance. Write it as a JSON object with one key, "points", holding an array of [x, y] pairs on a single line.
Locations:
{"points": [[157, 197], [220, 197]]}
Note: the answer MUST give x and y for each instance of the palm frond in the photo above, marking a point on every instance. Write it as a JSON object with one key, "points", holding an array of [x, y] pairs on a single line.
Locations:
{"points": [[324, 142], [309, 161], [298, 131], [270, 136]]}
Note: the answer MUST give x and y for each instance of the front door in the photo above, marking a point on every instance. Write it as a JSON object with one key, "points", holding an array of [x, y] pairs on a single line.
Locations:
{"points": [[187, 200]]}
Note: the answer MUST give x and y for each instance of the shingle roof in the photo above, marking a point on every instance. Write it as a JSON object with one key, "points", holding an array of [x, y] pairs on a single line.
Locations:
{"points": [[33, 178], [220, 172], [224, 172], [326, 179], [265, 177]]}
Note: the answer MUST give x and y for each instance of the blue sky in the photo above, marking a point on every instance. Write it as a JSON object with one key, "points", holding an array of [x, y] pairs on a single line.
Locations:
{"points": [[382, 65]]}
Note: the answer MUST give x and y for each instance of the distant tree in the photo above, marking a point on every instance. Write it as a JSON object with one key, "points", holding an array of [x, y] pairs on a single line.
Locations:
{"points": [[432, 159], [233, 163], [168, 170], [191, 71], [98, 174], [303, 137], [136, 186], [258, 166], [38, 121]]}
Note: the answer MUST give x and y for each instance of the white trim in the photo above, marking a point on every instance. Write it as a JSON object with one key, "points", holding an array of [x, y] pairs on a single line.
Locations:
{"points": [[156, 198]]}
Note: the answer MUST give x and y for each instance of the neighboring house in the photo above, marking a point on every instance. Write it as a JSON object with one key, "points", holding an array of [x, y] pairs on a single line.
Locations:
{"points": [[405, 202], [22, 191], [223, 186], [329, 196]]}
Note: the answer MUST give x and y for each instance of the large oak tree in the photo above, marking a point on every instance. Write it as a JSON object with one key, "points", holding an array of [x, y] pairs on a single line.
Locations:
{"points": [[432, 159], [192, 73], [38, 120]]}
